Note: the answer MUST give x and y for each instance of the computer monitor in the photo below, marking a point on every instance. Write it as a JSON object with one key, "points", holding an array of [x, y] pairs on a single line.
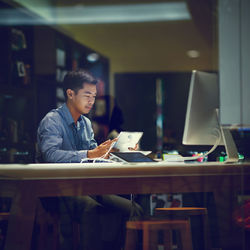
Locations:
{"points": [[202, 124]]}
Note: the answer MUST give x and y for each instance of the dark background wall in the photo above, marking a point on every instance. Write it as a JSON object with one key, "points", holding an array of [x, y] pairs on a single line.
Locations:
{"points": [[136, 96]]}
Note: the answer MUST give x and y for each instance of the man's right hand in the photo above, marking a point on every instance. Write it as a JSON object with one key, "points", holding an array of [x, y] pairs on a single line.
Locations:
{"points": [[101, 150]]}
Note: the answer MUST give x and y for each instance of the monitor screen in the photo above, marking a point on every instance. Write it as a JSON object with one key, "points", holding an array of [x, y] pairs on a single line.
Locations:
{"points": [[203, 101], [202, 123]]}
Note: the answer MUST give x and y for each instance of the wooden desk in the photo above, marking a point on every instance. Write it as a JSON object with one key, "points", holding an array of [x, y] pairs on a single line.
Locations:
{"points": [[26, 183]]}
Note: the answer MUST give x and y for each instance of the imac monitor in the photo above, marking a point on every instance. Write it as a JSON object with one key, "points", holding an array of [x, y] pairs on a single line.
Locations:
{"points": [[202, 124]]}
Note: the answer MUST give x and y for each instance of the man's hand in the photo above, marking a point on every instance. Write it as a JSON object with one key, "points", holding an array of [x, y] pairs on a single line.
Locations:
{"points": [[102, 149], [135, 148]]}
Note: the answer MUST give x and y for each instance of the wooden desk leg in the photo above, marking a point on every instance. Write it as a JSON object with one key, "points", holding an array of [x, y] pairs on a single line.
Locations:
{"points": [[22, 214], [226, 203]]}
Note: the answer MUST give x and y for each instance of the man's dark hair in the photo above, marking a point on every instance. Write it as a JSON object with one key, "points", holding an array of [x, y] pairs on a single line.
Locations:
{"points": [[75, 79]]}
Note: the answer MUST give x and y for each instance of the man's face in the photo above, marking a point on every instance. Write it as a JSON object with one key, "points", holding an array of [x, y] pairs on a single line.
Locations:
{"points": [[84, 99]]}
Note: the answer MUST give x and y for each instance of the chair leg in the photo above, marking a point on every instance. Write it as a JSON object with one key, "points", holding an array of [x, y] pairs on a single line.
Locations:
{"points": [[168, 240], [150, 238], [207, 242], [76, 235], [131, 239], [186, 236], [49, 229]]}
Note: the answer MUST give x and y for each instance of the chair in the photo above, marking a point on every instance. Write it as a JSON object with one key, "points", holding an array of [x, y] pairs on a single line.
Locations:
{"points": [[150, 230], [186, 213], [4, 216], [49, 233], [43, 222], [46, 231]]}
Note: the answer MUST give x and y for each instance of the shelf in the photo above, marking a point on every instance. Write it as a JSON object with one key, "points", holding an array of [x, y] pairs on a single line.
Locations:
{"points": [[11, 91], [34, 55]]}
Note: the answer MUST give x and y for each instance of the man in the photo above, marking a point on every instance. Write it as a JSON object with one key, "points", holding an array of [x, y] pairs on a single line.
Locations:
{"points": [[66, 135]]}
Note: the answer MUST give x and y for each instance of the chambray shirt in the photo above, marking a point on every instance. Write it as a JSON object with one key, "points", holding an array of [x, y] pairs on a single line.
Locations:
{"points": [[59, 139]]}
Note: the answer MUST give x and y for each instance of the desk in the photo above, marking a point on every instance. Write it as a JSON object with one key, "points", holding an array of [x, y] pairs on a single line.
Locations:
{"points": [[26, 183]]}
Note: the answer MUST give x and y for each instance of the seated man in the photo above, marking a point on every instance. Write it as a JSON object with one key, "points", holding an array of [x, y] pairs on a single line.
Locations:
{"points": [[66, 135]]}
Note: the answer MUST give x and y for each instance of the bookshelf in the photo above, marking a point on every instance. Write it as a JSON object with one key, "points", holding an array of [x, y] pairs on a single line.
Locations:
{"points": [[33, 62]]}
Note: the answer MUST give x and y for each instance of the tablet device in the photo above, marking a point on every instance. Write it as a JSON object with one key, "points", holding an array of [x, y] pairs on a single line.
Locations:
{"points": [[130, 157], [127, 140]]}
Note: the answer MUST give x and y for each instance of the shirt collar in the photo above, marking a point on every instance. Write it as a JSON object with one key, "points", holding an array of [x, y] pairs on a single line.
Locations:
{"points": [[67, 115]]}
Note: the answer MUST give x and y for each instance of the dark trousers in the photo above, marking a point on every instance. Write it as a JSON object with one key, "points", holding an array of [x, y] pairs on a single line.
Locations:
{"points": [[101, 218]]}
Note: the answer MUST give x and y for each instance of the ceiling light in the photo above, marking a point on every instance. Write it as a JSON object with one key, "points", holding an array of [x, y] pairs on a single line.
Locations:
{"points": [[193, 53], [93, 57], [152, 12], [124, 13]]}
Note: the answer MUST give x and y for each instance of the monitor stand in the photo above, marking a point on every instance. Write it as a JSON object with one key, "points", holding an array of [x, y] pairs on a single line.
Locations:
{"points": [[231, 149]]}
